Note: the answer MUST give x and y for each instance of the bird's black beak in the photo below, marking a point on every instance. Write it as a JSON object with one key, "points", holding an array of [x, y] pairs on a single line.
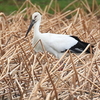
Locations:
{"points": [[31, 24]]}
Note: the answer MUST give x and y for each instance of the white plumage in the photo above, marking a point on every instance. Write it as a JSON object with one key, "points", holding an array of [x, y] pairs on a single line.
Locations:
{"points": [[56, 44]]}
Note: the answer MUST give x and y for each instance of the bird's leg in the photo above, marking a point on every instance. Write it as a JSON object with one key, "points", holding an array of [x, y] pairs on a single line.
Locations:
{"points": [[62, 64]]}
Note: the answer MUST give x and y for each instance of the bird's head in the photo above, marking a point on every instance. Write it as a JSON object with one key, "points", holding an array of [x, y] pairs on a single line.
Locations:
{"points": [[35, 18]]}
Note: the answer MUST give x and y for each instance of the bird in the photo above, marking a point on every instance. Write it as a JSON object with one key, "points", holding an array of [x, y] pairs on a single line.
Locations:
{"points": [[56, 44]]}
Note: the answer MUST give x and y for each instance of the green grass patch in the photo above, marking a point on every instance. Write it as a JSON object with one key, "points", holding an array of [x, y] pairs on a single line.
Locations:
{"points": [[8, 6]]}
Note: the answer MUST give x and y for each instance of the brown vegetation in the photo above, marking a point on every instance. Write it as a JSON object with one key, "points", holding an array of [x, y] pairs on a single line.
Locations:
{"points": [[26, 75]]}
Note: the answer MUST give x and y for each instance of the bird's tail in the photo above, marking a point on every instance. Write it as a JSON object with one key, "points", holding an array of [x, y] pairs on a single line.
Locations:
{"points": [[84, 44]]}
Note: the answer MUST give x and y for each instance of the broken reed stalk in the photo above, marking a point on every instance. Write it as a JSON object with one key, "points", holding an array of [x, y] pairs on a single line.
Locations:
{"points": [[56, 94], [76, 74], [25, 74]]}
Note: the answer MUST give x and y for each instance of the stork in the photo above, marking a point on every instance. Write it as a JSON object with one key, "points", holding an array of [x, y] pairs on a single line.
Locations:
{"points": [[56, 44]]}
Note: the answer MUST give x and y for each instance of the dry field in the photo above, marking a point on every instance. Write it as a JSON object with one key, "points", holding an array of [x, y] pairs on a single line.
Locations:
{"points": [[27, 75]]}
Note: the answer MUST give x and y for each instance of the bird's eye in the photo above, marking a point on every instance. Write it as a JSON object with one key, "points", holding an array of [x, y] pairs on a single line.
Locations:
{"points": [[35, 17]]}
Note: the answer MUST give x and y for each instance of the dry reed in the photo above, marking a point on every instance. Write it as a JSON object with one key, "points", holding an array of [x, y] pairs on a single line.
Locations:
{"points": [[26, 75]]}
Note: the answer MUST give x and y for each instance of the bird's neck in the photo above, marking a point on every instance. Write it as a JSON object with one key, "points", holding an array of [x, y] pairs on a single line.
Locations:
{"points": [[36, 28]]}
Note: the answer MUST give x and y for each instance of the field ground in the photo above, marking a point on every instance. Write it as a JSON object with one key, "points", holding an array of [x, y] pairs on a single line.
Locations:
{"points": [[27, 75]]}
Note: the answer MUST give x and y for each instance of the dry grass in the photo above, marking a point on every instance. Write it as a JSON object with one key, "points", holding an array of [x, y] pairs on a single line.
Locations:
{"points": [[26, 75]]}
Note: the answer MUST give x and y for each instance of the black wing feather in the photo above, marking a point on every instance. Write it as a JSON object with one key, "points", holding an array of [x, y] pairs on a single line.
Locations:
{"points": [[79, 47]]}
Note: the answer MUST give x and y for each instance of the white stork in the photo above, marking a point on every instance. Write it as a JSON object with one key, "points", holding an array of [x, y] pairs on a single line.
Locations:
{"points": [[56, 44]]}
